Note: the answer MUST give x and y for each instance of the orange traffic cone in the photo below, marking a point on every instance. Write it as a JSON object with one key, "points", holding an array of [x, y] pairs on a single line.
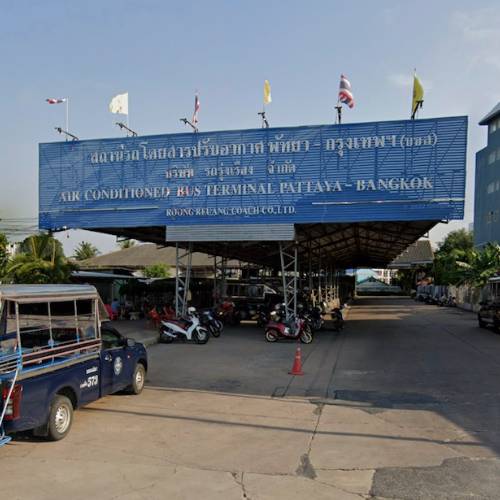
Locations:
{"points": [[297, 363]]}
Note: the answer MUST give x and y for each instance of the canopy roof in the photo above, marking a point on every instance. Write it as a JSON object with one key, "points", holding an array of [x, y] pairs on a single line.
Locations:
{"points": [[31, 293], [341, 245], [418, 254]]}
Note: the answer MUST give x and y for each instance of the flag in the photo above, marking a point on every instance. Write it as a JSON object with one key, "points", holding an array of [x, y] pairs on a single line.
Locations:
{"points": [[51, 100], [119, 104], [345, 92], [196, 109], [267, 92], [418, 95]]}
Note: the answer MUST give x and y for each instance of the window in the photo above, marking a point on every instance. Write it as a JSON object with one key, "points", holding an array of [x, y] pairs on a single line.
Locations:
{"points": [[111, 339], [492, 157], [490, 188]]}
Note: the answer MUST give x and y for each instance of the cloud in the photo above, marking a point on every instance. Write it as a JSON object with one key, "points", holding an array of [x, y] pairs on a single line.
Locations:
{"points": [[405, 81], [479, 31]]}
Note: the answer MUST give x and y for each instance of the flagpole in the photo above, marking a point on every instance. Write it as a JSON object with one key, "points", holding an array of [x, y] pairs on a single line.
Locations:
{"points": [[338, 107], [128, 124], [67, 115]]}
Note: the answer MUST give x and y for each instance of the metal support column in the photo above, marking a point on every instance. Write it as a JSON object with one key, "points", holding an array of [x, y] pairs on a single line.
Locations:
{"points": [[289, 265], [183, 260], [220, 286]]}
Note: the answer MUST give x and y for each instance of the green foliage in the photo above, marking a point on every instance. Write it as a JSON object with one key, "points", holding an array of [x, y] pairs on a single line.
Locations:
{"points": [[405, 278], [126, 244], [456, 250], [460, 239], [482, 265], [85, 250], [42, 246], [159, 270], [40, 261], [4, 256], [457, 261]]}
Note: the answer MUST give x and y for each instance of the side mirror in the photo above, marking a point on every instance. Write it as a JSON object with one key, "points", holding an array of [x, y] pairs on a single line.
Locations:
{"points": [[130, 342]]}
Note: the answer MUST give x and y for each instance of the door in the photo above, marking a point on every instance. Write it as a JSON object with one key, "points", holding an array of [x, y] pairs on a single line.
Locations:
{"points": [[115, 369]]}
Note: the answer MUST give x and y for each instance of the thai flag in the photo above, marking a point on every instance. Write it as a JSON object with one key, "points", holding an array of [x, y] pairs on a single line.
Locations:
{"points": [[345, 92], [55, 101], [196, 109]]}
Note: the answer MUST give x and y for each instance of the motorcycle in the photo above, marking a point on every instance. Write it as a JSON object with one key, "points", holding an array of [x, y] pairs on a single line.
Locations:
{"points": [[188, 328], [316, 314], [229, 317], [337, 318], [211, 323], [296, 328]]}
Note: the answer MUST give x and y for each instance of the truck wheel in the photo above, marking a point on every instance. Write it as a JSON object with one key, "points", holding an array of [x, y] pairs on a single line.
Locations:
{"points": [[138, 379], [60, 418]]}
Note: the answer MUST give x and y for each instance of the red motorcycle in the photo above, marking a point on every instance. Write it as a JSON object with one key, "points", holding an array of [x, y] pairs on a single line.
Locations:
{"points": [[297, 328]]}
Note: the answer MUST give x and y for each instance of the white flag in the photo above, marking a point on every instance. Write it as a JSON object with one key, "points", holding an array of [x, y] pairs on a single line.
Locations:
{"points": [[119, 104]]}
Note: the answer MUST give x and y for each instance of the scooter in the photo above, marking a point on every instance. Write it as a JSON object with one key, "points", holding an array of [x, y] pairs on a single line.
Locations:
{"points": [[316, 314], [297, 328], [211, 323], [337, 318], [188, 328]]}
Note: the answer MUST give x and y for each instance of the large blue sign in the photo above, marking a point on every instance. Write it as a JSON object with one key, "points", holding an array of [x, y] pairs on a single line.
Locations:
{"points": [[381, 171]]}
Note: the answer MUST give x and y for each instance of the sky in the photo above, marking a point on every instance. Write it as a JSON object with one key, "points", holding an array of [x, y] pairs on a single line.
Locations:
{"points": [[161, 52]]}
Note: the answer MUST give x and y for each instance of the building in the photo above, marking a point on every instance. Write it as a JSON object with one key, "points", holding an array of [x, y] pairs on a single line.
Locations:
{"points": [[417, 256], [385, 275], [487, 191], [135, 259]]}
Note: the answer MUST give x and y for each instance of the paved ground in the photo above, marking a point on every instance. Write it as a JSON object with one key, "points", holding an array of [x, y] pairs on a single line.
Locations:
{"points": [[403, 404]]}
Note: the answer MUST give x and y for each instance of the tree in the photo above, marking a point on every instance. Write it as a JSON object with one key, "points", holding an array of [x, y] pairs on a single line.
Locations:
{"points": [[158, 270], [126, 244], [85, 250], [454, 251], [4, 255], [461, 239], [40, 261], [482, 265]]}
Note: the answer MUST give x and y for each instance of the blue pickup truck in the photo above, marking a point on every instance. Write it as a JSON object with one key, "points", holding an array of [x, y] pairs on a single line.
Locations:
{"points": [[58, 352]]}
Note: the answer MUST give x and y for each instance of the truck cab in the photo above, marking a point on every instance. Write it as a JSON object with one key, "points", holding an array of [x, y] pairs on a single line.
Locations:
{"points": [[58, 352]]}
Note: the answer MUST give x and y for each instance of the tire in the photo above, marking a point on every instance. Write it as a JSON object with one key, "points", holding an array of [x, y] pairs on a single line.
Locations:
{"points": [[271, 335], [306, 337], [214, 331], [201, 335], [138, 379], [165, 339], [60, 418], [219, 325], [482, 324]]}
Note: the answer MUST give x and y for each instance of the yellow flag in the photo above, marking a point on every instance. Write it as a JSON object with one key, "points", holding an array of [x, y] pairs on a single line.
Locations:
{"points": [[267, 92], [418, 95]]}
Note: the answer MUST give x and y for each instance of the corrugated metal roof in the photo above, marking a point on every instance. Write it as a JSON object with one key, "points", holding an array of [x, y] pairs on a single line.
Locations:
{"points": [[420, 253], [141, 256], [492, 114], [231, 232], [52, 292]]}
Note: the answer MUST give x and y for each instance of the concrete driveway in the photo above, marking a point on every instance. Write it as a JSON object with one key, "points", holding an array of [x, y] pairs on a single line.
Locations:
{"points": [[404, 403]]}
